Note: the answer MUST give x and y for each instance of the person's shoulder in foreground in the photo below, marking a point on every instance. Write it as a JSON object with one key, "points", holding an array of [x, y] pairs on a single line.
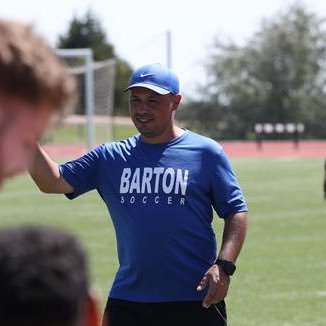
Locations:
{"points": [[44, 278], [34, 86]]}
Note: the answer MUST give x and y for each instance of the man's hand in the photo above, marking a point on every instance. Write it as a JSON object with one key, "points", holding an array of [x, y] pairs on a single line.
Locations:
{"points": [[218, 284]]}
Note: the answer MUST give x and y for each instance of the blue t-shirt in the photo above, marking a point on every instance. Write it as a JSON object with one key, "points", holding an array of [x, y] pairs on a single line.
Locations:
{"points": [[161, 199]]}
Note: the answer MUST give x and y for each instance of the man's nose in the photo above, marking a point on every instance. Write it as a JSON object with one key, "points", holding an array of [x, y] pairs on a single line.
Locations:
{"points": [[143, 107]]}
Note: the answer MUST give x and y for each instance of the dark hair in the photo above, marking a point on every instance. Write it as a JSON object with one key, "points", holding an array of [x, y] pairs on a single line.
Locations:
{"points": [[43, 276]]}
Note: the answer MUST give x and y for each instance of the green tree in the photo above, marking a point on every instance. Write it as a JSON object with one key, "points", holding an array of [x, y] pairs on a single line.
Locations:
{"points": [[87, 32], [278, 76], [121, 82]]}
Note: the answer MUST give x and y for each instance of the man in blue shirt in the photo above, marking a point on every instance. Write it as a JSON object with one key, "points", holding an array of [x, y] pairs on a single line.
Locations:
{"points": [[161, 187]]}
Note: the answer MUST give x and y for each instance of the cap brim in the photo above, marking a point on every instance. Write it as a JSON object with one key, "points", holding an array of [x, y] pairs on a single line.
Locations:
{"points": [[154, 88]]}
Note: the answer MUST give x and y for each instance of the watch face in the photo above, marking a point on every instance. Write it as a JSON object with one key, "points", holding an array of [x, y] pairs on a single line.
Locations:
{"points": [[227, 266]]}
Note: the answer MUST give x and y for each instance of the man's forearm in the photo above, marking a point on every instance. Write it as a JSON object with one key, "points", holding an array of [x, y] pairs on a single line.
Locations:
{"points": [[234, 234], [45, 173]]}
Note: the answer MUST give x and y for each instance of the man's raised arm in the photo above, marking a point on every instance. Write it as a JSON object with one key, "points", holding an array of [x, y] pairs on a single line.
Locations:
{"points": [[45, 173]]}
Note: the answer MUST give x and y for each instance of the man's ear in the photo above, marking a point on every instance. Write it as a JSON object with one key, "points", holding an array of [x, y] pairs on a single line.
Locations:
{"points": [[176, 101], [92, 312]]}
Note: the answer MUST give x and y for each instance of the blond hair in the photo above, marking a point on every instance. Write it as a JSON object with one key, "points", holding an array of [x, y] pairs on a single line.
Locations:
{"points": [[30, 69]]}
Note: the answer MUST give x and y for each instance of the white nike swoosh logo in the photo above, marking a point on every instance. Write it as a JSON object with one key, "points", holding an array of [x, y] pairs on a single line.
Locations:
{"points": [[146, 75]]}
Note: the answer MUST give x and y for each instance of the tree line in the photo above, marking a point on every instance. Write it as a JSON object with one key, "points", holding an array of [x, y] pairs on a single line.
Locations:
{"points": [[278, 76]]}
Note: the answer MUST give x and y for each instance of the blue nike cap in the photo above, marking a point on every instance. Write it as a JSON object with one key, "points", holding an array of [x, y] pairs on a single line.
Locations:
{"points": [[156, 77]]}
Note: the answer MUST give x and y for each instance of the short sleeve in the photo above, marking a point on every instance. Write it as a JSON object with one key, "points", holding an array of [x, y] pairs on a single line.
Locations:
{"points": [[226, 191], [82, 173]]}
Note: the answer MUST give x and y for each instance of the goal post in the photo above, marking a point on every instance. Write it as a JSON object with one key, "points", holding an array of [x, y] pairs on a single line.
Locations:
{"points": [[96, 84], [89, 87]]}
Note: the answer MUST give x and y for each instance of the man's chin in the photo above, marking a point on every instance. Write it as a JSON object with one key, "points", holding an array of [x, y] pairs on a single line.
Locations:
{"points": [[146, 132]]}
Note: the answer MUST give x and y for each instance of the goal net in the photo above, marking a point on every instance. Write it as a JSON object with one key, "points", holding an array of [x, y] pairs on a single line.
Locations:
{"points": [[91, 122]]}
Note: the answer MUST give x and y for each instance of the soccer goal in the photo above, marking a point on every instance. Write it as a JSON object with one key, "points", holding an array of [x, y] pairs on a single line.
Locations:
{"points": [[91, 123]]}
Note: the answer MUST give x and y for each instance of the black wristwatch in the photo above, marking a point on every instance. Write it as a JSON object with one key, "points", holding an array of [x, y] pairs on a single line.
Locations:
{"points": [[227, 266]]}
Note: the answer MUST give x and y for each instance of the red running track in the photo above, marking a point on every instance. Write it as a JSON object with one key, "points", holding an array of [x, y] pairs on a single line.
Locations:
{"points": [[303, 149]]}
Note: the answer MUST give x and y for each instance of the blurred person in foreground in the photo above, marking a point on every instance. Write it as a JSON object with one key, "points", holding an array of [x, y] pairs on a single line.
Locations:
{"points": [[161, 187], [34, 86], [44, 279]]}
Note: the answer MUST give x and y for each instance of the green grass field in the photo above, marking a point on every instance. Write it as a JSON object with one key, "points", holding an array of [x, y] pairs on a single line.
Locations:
{"points": [[281, 271], [75, 134]]}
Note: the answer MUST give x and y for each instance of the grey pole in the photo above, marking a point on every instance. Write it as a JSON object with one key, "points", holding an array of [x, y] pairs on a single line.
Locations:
{"points": [[89, 88], [168, 49]]}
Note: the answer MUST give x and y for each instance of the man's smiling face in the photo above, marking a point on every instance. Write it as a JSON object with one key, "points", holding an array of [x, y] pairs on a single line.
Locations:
{"points": [[153, 114]]}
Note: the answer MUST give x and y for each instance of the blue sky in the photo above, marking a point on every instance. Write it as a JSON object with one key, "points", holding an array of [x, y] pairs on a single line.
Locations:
{"points": [[137, 29]]}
